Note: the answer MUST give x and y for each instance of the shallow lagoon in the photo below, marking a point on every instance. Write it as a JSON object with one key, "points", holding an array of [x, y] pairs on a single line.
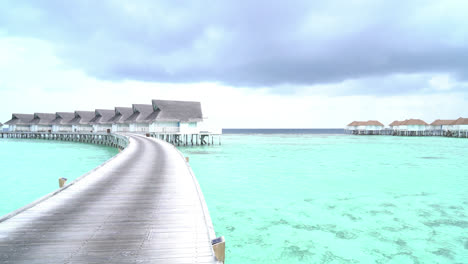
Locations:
{"points": [[30, 169], [337, 198]]}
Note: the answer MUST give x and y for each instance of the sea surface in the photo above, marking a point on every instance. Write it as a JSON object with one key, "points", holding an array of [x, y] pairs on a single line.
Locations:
{"points": [[298, 197], [30, 169]]}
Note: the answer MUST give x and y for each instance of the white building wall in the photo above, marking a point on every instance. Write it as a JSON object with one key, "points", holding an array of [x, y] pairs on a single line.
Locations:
{"points": [[61, 128], [416, 128], [120, 128], [82, 128], [137, 127], [164, 127], [101, 128]]}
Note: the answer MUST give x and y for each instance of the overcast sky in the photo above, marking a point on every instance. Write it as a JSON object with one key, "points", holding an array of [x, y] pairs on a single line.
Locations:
{"points": [[252, 64]]}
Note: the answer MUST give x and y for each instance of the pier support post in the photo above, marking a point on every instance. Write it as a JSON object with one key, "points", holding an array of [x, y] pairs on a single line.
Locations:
{"points": [[62, 182], [219, 248]]}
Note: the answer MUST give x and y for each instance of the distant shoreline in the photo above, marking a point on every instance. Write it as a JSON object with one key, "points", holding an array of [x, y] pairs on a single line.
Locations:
{"points": [[330, 131]]}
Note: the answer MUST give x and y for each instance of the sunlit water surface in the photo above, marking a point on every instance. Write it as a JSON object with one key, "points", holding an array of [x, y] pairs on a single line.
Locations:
{"points": [[337, 198]]}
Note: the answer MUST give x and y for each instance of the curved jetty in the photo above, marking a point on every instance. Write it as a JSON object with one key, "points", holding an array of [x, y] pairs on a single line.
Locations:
{"points": [[143, 206]]}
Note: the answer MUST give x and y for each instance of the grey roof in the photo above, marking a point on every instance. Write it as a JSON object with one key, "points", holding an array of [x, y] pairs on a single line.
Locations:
{"points": [[1, 124], [43, 119], [82, 117], [20, 119], [121, 114], [102, 116], [141, 112], [185, 111], [63, 117]]}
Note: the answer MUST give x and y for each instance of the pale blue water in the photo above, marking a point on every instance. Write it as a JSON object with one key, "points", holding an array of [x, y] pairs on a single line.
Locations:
{"points": [[337, 198], [30, 169]]}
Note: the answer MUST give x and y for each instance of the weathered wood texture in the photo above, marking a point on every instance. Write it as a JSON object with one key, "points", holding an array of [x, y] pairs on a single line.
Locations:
{"points": [[141, 207]]}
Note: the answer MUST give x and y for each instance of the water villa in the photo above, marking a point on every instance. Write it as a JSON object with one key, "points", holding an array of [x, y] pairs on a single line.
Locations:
{"points": [[20, 123], [177, 122], [42, 122], [371, 127], [411, 127], [81, 122], [140, 119], [102, 120], [62, 120], [118, 120]]}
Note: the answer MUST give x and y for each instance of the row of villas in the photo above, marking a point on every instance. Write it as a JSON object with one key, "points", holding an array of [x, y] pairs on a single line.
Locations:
{"points": [[458, 127], [162, 116]]}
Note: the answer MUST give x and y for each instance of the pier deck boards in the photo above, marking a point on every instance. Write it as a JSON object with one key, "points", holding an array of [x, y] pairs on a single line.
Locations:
{"points": [[141, 207]]}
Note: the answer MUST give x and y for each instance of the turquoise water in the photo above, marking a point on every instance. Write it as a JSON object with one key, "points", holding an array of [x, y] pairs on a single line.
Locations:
{"points": [[337, 198], [30, 169]]}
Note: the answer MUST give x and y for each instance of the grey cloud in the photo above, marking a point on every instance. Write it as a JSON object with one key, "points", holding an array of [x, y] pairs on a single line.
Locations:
{"points": [[253, 43]]}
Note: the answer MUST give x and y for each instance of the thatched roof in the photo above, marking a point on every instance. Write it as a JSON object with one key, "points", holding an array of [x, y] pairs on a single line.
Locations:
{"points": [[182, 111], [102, 116], [63, 118], [396, 123], [20, 119], [414, 122], [43, 118], [141, 113], [460, 121], [82, 117], [440, 122], [1, 124], [121, 114], [366, 123]]}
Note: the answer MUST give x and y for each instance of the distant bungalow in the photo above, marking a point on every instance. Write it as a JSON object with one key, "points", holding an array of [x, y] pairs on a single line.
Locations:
{"points": [[81, 121], [413, 125], [1, 126], [365, 127], [102, 120], [20, 123], [175, 116], [161, 117], [461, 124], [140, 119], [118, 120], [42, 122], [61, 123], [442, 125]]}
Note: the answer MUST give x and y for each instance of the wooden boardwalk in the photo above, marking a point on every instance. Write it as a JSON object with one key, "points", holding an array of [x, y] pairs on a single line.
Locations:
{"points": [[143, 206]]}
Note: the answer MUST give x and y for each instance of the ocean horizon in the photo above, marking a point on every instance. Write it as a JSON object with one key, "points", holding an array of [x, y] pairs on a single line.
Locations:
{"points": [[283, 131]]}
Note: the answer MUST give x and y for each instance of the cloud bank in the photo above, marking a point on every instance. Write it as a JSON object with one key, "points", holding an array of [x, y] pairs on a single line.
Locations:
{"points": [[374, 47]]}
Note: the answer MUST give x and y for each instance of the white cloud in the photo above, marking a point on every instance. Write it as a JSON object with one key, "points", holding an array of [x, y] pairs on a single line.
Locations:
{"points": [[34, 79]]}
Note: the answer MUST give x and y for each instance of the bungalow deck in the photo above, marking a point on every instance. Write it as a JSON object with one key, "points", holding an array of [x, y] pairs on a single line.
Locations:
{"points": [[142, 206]]}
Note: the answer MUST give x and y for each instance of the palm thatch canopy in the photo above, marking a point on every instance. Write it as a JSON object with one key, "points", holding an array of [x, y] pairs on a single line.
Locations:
{"points": [[82, 117], [20, 119], [102, 116], [181, 111]]}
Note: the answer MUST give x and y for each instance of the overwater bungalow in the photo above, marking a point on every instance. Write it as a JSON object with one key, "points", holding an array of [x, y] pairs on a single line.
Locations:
{"points": [[61, 123], [414, 125], [102, 120], [175, 116], [371, 127], [118, 120], [461, 124], [441, 125], [140, 118], [395, 125], [81, 121], [20, 123], [42, 122]]}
